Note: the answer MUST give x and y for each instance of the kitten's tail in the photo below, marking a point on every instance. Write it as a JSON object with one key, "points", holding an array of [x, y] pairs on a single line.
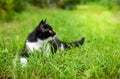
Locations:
{"points": [[76, 43], [66, 45]]}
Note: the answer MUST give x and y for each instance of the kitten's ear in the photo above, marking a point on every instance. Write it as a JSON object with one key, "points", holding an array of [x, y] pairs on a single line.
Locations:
{"points": [[43, 21], [40, 25]]}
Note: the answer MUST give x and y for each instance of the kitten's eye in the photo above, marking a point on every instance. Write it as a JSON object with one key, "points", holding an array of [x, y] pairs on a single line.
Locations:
{"points": [[50, 31]]}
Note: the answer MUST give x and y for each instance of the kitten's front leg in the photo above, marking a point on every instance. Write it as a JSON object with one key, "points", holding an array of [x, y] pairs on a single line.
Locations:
{"points": [[23, 57]]}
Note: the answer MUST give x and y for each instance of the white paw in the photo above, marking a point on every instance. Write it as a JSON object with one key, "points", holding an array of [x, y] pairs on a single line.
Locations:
{"points": [[23, 62]]}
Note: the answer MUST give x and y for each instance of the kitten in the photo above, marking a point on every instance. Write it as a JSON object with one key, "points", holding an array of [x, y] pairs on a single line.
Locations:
{"points": [[43, 37]]}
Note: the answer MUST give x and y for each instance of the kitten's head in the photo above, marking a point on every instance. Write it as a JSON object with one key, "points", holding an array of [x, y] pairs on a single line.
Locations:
{"points": [[45, 31]]}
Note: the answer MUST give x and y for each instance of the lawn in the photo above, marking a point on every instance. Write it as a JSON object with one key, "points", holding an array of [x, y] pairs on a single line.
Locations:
{"points": [[98, 58]]}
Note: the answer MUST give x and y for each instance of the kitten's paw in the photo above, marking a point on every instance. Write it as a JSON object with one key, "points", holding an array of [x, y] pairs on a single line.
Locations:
{"points": [[23, 62]]}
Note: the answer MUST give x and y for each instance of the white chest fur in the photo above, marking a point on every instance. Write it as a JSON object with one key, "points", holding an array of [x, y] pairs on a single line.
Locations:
{"points": [[34, 45], [40, 44]]}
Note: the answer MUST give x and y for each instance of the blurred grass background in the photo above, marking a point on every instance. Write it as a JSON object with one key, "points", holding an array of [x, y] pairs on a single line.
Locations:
{"points": [[9, 7]]}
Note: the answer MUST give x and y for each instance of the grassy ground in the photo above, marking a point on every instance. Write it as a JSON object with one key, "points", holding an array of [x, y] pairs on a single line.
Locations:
{"points": [[98, 58]]}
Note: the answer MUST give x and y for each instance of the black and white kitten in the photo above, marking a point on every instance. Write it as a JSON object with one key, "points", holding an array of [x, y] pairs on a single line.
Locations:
{"points": [[44, 38]]}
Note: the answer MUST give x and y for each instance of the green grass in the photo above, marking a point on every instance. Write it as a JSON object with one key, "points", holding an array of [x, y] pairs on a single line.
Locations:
{"points": [[98, 58]]}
